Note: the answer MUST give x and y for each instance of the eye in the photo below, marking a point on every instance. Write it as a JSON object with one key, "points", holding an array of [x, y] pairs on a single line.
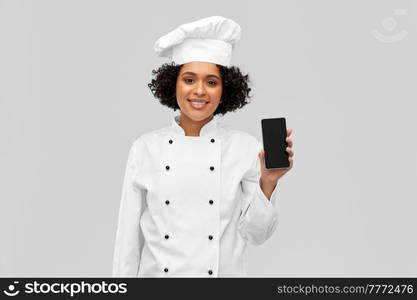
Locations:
{"points": [[214, 83], [186, 80]]}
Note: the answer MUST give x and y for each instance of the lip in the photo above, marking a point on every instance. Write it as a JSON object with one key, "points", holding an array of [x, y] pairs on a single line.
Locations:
{"points": [[199, 100], [198, 108]]}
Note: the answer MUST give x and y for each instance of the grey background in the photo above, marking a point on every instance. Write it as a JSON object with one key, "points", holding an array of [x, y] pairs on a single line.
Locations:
{"points": [[74, 96]]}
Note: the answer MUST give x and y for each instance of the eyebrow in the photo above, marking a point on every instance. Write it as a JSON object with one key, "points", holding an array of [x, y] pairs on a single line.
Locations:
{"points": [[192, 73]]}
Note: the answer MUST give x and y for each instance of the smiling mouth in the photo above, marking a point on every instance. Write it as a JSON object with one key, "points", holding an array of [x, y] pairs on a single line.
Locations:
{"points": [[198, 105], [198, 102]]}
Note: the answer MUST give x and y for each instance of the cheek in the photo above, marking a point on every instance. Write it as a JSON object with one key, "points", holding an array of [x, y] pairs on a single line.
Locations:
{"points": [[181, 90], [218, 93]]}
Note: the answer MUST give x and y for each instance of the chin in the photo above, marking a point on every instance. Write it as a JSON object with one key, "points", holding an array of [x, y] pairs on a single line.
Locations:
{"points": [[198, 115]]}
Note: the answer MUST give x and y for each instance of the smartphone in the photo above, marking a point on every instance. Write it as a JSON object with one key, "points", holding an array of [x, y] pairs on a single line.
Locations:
{"points": [[274, 133]]}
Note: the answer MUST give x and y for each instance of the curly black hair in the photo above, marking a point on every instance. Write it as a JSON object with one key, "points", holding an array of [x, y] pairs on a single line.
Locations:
{"points": [[235, 91]]}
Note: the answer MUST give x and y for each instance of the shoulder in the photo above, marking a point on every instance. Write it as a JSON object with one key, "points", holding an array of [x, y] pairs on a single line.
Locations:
{"points": [[148, 137], [141, 146], [230, 136], [242, 139]]}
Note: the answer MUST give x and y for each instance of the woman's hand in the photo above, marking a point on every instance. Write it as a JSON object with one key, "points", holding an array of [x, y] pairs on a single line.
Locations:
{"points": [[272, 176]]}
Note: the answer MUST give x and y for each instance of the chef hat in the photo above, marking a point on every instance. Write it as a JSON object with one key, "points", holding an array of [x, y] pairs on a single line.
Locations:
{"points": [[209, 39]]}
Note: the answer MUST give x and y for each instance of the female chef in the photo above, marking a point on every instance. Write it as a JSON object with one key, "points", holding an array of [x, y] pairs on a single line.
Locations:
{"points": [[196, 192]]}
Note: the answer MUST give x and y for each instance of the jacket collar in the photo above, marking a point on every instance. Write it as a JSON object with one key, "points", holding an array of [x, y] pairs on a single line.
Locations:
{"points": [[208, 129]]}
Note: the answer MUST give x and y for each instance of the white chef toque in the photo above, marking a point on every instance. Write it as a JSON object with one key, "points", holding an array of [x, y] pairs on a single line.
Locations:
{"points": [[209, 39]]}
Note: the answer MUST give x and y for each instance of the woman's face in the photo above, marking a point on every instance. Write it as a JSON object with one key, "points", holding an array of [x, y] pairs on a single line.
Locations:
{"points": [[199, 81]]}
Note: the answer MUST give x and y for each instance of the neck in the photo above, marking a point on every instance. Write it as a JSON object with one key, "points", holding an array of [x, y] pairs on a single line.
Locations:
{"points": [[191, 127]]}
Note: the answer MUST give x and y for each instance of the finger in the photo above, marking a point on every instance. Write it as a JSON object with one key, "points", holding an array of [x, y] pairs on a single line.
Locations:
{"points": [[290, 151], [289, 141], [289, 131]]}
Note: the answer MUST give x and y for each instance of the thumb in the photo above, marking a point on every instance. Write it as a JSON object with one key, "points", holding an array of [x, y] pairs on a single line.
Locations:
{"points": [[261, 156]]}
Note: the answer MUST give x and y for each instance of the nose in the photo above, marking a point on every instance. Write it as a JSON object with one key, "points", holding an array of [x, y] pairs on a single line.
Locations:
{"points": [[200, 90]]}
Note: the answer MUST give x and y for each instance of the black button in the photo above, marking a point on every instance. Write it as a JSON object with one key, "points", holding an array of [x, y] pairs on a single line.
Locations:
{"points": [[167, 167], [212, 168], [167, 202], [166, 270], [211, 201], [212, 140], [166, 236], [210, 237], [170, 141], [210, 272]]}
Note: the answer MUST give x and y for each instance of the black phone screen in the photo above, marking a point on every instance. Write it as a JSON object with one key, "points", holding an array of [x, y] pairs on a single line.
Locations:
{"points": [[274, 133]]}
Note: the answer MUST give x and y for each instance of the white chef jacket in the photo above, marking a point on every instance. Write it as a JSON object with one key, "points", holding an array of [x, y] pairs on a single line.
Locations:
{"points": [[190, 204]]}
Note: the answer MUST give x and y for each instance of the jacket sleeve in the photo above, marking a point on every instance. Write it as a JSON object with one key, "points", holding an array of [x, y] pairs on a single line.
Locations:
{"points": [[129, 238], [259, 216]]}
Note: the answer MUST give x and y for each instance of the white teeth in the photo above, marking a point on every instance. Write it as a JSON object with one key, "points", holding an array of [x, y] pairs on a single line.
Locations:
{"points": [[197, 104]]}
